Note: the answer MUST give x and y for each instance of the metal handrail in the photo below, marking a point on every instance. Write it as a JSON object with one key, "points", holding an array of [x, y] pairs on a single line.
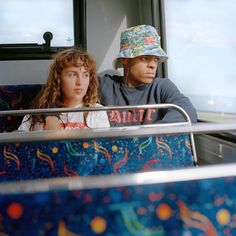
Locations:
{"points": [[109, 132], [87, 109], [112, 181]]}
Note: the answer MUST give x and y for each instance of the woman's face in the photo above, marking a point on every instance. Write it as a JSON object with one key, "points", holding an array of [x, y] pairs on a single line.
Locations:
{"points": [[75, 82]]}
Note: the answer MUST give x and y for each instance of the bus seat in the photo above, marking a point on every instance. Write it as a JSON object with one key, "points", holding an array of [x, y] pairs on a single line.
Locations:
{"points": [[143, 204], [94, 156], [15, 97]]}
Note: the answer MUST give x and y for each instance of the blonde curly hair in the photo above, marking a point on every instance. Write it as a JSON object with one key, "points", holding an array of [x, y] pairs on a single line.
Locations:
{"points": [[51, 93]]}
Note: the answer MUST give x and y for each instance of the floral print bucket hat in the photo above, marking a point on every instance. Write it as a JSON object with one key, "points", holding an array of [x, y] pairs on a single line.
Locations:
{"points": [[139, 41]]}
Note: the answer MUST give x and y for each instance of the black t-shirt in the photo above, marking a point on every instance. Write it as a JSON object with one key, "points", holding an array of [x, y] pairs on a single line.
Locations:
{"points": [[115, 93]]}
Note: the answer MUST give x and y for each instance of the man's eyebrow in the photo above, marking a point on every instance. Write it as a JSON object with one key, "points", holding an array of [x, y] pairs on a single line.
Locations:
{"points": [[72, 68]]}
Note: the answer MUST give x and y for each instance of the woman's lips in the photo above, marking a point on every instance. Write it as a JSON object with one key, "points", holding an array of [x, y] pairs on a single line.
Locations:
{"points": [[78, 90]]}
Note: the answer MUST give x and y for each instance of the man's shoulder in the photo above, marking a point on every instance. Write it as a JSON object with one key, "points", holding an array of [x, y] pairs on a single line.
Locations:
{"points": [[109, 73], [109, 78], [162, 82], [114, 78], [159, 80]]}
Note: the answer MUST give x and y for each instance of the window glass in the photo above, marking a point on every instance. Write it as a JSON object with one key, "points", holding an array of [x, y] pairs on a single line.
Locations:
{"points": [[25, 21], [201, 45]]}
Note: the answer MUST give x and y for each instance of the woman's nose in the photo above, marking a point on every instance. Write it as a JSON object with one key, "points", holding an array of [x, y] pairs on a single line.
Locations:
{"points": [[78, 80]]}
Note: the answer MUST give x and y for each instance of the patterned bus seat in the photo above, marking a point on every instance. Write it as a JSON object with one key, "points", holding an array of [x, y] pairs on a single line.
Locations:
{"points": [[95, 156], [194, 207]]}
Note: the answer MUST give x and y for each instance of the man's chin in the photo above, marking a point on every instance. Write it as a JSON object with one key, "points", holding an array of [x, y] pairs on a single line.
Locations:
{"points": [[148, 80]]}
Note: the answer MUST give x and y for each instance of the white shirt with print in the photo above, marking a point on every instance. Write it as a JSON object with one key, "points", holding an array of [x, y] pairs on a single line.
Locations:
{"points": [[73, 120]]}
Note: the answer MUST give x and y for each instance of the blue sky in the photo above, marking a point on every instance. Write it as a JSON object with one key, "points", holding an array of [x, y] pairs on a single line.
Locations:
{"points": [[19, 23], [201, 45]]}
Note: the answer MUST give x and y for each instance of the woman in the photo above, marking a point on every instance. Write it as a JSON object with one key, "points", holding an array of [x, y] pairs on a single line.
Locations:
{"points": [[72, 83]]}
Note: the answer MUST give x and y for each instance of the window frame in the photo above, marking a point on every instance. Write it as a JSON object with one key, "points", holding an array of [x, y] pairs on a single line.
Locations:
{"points": [[159, 20], [45, 51]]}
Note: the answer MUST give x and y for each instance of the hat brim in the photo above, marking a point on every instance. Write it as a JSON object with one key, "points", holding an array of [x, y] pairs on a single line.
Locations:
{"points": [[117, 63]]}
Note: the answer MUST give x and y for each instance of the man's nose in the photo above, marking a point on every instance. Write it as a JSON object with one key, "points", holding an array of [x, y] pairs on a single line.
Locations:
{"points": [[152, 63]]}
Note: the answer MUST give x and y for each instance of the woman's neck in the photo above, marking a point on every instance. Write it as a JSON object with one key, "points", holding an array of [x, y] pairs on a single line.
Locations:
{"points": [[73, 104]]}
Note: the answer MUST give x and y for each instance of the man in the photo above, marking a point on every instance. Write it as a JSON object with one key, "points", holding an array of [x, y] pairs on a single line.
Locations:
{"points": [[140, 54]]}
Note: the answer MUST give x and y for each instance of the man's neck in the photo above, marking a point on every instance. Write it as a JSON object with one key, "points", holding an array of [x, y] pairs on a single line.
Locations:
{"points": [[132, 83]]}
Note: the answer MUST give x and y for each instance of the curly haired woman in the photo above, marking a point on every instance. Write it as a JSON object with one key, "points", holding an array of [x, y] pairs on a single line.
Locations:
{"points": [[72, 83]]}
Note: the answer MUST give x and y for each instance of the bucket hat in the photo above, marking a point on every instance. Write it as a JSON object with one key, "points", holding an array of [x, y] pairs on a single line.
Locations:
{"points": [[138, 41]]}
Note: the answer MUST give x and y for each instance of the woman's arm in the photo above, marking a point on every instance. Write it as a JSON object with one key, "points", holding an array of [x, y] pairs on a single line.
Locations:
{"points": [[52, 123]]}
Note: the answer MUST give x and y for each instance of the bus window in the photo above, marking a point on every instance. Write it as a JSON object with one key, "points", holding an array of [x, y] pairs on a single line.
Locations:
{"points": [[24, 23], [201, 46]]}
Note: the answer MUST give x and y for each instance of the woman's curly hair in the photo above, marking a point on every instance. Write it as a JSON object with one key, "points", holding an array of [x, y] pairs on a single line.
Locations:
{"points": [[51, 93]]}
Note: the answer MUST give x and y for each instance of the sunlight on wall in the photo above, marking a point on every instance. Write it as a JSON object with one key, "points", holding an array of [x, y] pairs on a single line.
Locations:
{"points": [[114, 48]]}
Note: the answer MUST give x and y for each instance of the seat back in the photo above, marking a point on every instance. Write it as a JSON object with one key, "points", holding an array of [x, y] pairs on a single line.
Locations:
{"points": [[138, 204], [84, 156], [94, 156], [15, 97]]}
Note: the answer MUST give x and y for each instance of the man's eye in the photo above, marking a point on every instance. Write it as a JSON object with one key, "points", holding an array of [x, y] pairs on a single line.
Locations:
{"points": [[144, 58]]}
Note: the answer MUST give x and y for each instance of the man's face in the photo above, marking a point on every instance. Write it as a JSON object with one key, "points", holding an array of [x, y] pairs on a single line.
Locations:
{"points": [[140, 70]]}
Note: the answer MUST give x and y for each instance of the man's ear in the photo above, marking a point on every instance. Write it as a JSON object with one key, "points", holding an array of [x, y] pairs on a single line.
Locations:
{"points": [[124, 61]]}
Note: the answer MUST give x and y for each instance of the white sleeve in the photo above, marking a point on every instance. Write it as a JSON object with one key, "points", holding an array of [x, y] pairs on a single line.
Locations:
{"points": [[102, 119], [98, 119], [25, 124]]}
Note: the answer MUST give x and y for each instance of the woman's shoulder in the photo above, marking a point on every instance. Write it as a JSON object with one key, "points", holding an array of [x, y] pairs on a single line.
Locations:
{"points": [[98, 119], [98, 105]]}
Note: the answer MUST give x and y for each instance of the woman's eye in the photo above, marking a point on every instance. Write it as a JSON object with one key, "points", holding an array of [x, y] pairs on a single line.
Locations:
{"points": [[71, 74]]}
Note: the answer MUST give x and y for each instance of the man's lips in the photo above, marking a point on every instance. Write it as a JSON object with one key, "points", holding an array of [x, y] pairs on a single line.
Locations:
{"points": [[150, 74]]}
